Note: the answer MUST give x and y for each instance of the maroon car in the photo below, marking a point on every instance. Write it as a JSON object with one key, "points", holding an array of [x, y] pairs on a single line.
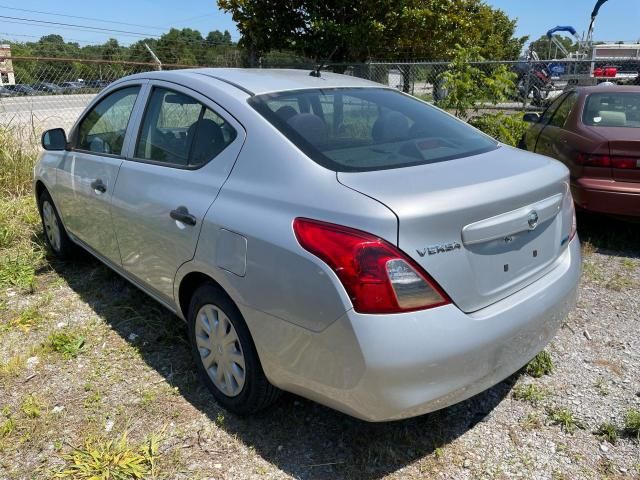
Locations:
{"points": [[595, 132]]}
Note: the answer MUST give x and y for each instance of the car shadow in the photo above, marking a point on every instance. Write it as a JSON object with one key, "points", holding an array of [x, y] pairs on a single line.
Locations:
{"points": [[300, 437], [609, 235]]}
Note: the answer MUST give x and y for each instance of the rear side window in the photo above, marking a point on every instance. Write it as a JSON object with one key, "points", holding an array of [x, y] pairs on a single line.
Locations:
{"points": [[562, 113], [178, 130], [365, 129], [615, 109], [103, 129]]}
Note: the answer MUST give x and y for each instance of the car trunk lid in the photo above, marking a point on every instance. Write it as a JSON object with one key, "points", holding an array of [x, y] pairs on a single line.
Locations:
{"points": [[483, 226]]}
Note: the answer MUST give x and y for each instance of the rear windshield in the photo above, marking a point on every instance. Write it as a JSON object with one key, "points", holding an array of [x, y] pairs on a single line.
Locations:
{"points": [[616, 109], [364, 129]]}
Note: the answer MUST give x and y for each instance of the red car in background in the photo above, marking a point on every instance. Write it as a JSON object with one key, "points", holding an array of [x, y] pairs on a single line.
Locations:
{"points": [[595, 132]]}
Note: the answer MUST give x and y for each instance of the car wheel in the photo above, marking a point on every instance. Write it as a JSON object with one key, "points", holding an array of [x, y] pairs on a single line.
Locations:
{"points": [[54, 232], [225, 354]]}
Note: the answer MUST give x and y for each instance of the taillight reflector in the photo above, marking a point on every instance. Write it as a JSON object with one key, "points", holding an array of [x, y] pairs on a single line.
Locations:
{"points": [[377, 276], [607, 161]]}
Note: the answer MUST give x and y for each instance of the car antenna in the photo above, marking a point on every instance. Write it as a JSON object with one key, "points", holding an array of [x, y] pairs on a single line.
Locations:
{"points": [[316, 71]]}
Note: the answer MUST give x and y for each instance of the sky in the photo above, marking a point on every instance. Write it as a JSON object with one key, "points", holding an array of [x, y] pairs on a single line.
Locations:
{"points": [[618, 19]]}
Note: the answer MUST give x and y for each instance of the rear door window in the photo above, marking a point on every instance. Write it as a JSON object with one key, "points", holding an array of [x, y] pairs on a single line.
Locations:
{"points": [[180, 131], [365, 129], [551, 109], [560, 116]]}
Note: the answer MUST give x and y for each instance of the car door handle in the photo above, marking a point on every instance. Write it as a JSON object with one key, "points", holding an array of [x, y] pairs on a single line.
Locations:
{"points": [[98, 186], [181, 214]]}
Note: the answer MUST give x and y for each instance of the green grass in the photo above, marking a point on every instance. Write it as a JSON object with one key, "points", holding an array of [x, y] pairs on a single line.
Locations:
{"points": [[529, 393], [531, 421], [18, 153], [632, 423], [32, 406], [619, 282], [608, 431], [67, 343], [21, 249], [565, 419], [542, 364], [99, 458], [29, 318]]}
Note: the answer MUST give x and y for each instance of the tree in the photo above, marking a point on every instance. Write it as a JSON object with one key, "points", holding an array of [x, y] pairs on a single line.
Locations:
{"points": [[546, 50], [468, 86], [361, 29]]}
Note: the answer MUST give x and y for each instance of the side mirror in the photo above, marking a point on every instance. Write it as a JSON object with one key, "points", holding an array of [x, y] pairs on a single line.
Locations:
{"points": [[531, 117], [54, 139]]}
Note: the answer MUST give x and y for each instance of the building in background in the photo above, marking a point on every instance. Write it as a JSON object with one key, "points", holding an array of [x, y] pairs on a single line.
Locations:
{"points": [[6, 66]]}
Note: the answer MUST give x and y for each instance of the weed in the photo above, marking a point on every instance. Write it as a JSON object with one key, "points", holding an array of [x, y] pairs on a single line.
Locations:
{"points": [[7, 426], [542, 364], [32, 406], [12, 367], [148, 397], [632, 422], [18, 270], [531, 421], [18, 152], [606, 467], [601, 386], [592, 272], [219, 419], [101, 458], [93, 400], [608, 431], [629, 264], [28, 318], [587, 248], [67, 343], [618, 282], [529, 393], [564, 417]]}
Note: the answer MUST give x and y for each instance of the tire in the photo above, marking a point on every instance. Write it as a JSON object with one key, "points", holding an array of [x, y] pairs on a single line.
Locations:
{"points": [[54, 232], [220, 338]]}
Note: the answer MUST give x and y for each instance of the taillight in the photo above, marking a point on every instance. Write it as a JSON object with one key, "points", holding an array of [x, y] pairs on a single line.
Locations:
{"points": [[607, 161], [377, 276], [593, 160], [625, 162], [574, 221], [569, 218]]}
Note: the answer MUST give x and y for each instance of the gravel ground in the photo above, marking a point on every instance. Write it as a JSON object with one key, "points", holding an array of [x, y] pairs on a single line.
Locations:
{"points": [[133, 374]]}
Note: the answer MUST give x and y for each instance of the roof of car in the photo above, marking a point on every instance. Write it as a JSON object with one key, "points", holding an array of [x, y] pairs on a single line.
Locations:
{"points": [[256, 81], [610, 88]]}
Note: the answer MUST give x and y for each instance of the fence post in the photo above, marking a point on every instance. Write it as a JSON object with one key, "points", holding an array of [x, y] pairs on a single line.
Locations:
{"points": [[527, 83]]}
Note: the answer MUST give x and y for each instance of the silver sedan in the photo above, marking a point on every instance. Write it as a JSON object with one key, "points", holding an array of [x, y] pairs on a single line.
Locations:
{"points": [[323, 235]]}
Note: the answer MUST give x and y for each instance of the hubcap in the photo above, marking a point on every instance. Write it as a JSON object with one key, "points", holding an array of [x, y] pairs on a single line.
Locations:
{"points": [[220, 350], [51, 227]]}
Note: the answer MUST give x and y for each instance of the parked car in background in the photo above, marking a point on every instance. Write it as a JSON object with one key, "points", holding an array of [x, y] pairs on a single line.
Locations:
{"points": [[72, 87], [595, 132], [324, 235], [97, 84], [4, 92], [47, 87], [20, 89]]}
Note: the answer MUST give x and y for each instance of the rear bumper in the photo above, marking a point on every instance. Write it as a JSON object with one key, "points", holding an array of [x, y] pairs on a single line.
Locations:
{"points": [[388, 367], [607, 196]]}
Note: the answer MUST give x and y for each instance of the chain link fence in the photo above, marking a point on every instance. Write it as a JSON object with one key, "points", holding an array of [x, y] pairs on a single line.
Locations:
{"points": [[52, 92]]}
